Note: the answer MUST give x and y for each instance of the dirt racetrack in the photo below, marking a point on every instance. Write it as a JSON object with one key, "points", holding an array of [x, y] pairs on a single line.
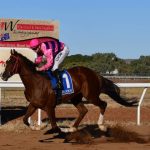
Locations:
{"points": [[122, 133], [35, 140]]}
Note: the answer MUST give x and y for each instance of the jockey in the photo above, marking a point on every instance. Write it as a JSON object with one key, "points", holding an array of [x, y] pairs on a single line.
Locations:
{"points": [[54, 52]]}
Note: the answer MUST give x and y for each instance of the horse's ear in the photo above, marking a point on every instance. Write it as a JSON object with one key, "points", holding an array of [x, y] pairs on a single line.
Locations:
{"points": [[13, 51]]}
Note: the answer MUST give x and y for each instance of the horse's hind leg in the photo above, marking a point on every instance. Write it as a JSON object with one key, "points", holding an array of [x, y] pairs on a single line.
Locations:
{"points": [[82, 112], [102, 105], [77, 102]]}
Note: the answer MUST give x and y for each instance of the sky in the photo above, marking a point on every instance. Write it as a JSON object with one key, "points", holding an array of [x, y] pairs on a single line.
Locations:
{"points": [[121, 27]]}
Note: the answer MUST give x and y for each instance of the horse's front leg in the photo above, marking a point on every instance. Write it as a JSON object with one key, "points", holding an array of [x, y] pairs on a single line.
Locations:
{"points": [[31, 109]]}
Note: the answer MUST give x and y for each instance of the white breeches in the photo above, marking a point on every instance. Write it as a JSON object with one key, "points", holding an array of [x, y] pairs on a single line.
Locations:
{"points": [[60, 57]]}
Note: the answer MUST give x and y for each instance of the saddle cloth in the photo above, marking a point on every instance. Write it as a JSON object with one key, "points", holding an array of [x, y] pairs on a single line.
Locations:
{"points": [[66, 82]]}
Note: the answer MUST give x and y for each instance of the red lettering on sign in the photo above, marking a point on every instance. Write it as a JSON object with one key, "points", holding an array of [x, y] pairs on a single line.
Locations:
{"points": [[35, 27]]}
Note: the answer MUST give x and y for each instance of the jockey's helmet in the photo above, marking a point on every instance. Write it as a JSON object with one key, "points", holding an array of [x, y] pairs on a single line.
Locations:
{"points": [[34, 43]]}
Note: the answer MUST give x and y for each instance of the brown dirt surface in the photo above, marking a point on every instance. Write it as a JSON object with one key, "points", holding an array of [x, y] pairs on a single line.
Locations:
{"points": [[122, 133]]}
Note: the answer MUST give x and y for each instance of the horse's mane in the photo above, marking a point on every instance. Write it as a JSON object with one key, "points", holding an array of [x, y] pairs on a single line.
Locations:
{"points": [[31, 65], [28, 62]]}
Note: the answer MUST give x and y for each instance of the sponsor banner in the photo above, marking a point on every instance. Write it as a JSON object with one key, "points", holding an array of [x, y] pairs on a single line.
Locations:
{"points": [[19, 32]]}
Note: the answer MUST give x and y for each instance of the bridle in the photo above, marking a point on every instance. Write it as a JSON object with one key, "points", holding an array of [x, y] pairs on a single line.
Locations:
{"points": [[16, 65]]}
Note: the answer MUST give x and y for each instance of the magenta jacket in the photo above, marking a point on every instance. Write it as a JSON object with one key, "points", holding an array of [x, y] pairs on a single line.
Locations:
{"points": [[49, 50]]}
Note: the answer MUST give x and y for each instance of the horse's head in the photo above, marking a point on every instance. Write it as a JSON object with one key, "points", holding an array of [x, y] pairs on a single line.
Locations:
{"points": [[12, 66]]}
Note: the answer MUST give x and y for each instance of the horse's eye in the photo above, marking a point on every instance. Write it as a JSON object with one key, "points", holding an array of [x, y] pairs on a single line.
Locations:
{"points": [[10, 60]]}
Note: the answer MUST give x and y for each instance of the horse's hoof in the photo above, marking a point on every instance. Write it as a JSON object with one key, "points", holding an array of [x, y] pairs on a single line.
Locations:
{"points": [[37, 127], [33, 127], [43, 126], [67, 130], [56, 130], [102, 127], [53, 130]]}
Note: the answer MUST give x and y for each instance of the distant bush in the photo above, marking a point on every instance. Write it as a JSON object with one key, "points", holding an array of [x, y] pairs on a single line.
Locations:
{"points": [[108, 62]]}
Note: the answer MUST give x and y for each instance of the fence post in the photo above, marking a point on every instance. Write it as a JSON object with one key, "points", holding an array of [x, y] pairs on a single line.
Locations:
{"points": [[39, 117], [139, 106]]}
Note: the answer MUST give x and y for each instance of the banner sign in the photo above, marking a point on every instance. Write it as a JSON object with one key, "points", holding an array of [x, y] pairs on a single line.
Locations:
{"points": [[19, 32]]}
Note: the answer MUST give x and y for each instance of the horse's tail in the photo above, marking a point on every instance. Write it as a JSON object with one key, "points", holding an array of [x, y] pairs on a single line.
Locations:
{"points": [[113, 91]]}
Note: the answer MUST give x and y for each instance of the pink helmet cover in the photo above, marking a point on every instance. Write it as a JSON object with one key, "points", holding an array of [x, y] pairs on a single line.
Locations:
{"points": [[34, 43]]}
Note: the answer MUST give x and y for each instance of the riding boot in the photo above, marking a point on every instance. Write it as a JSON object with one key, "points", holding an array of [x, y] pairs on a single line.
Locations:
{"points": [[59, 87]]}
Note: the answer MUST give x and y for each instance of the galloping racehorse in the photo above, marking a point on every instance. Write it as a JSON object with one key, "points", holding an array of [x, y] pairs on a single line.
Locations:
{"points": [[39, 92]]}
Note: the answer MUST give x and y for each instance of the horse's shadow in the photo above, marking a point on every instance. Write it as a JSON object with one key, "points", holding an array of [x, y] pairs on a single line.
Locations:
{"points": [[11, 112], [92, 134], [91, 131]]}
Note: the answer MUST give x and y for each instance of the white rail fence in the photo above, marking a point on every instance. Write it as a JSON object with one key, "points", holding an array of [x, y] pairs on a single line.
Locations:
{"points": [[145, 86]]}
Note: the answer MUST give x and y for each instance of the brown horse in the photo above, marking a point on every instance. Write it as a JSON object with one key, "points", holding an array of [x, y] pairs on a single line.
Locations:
{"points": [[39, 92]]}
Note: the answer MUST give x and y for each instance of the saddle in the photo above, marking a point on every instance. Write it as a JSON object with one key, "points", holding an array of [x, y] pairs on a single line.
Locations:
{"points": [[66, 81]]}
